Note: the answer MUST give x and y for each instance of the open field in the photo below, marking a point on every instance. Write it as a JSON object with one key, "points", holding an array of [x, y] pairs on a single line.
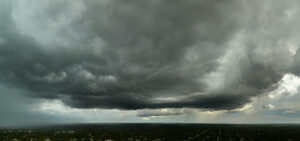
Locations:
{"points": [[157, 132]]}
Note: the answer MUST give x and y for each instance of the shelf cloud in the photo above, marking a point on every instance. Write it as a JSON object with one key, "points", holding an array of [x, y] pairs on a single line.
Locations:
{"points": [[142, 54]]}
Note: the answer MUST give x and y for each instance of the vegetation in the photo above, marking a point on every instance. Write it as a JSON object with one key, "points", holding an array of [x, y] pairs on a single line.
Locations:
{"points": [[157, 132]]}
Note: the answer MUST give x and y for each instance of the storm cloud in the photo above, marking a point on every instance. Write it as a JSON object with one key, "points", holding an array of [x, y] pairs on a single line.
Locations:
{"points": [[141, 54]]}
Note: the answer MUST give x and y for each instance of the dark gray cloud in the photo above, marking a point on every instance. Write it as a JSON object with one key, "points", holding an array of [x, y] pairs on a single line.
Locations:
{"points": [[295, 67], [146, 54]]}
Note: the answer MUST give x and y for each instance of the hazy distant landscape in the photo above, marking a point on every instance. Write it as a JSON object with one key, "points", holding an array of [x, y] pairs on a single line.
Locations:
{"points": [[154, 132]]}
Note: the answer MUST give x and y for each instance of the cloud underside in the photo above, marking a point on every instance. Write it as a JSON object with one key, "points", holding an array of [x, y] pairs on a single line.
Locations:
{"points": [[148, 54]]}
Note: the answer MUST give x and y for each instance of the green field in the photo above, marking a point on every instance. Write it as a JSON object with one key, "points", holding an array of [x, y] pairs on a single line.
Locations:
{"points": [[158, 132]]}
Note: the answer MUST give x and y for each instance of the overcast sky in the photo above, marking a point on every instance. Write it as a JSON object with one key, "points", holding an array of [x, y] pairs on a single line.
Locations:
{"points": [[203, 61]]}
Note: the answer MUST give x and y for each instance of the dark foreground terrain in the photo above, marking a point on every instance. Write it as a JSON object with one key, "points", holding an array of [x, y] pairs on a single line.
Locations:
{"points": [[157, 132]]}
